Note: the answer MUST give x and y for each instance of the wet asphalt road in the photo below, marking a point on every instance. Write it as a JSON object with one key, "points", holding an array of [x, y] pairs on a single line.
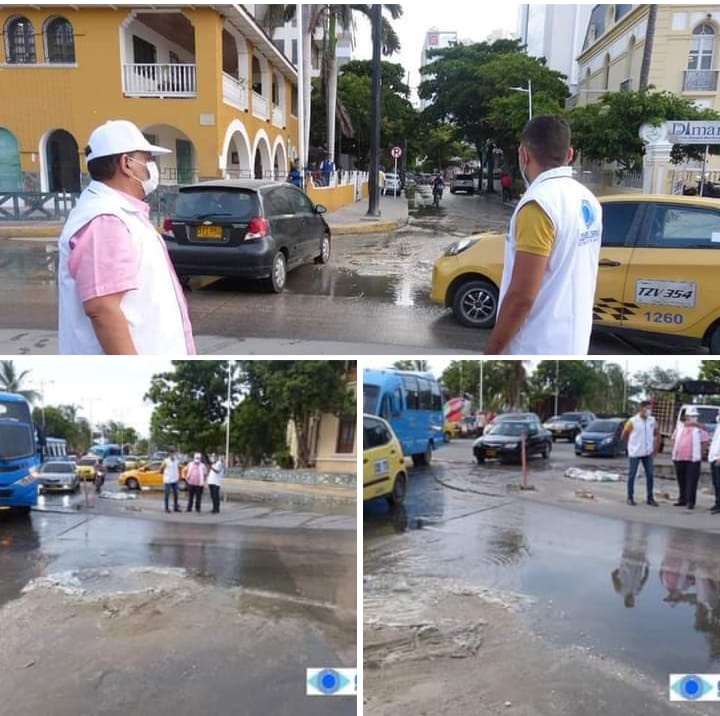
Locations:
{"points": [[645, 595], [375, 290], [308, 576]]}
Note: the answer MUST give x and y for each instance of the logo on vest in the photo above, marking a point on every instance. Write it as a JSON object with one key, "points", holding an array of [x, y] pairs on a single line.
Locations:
{"points": [[588, 213], [588, 216]]}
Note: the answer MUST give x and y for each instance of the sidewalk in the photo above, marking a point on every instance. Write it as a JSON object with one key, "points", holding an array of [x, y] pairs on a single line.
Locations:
{"points": [[352, 219]]}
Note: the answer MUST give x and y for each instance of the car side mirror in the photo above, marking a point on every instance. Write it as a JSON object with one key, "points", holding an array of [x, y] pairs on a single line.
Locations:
{"points": [[320, 209]]}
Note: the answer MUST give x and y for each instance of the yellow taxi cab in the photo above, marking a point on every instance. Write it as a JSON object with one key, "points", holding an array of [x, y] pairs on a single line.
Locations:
{"points": [[384, 473], [147, 476], [88, 467], [657, 275]]}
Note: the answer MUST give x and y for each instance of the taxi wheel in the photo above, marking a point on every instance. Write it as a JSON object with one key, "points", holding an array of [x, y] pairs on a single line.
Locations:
{"points": [[397, 495], [132, 484], [475, 304], [546, 451]]}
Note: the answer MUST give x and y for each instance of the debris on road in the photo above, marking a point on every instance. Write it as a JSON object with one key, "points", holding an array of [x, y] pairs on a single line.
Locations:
{"points": [[578, 473], [118, 495], [584, 494]]}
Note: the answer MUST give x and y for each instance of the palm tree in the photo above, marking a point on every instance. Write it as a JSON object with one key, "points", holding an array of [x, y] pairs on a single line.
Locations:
{"points": [[12, 381], [648, 49]]}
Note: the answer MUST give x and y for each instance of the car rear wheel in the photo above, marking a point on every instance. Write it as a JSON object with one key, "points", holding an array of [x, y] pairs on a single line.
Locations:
{"points": [[132, 484], [475, 304], [275, 283], [324, 256], [397, 496]]}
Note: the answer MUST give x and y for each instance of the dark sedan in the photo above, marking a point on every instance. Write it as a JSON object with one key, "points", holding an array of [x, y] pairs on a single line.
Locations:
{"points": [[602, 438], [568, 425], [503, 442], [250, 229], [113, 463]]}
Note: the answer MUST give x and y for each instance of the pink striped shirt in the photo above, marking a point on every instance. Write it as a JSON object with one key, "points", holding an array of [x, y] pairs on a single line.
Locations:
{"points": [[684, 439], [104, 262]]}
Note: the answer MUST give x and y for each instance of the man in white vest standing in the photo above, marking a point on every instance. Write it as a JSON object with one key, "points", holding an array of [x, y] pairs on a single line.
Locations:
{"points": [[551, 252], [118, 291], [641, 435]]}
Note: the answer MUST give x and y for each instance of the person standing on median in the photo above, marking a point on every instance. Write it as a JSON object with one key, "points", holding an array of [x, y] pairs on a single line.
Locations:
{"points": [[552, 250], [118, 291], [171, 478], [215, 480], [195, 477], [687, 448], [641, 435], [714, 460]]}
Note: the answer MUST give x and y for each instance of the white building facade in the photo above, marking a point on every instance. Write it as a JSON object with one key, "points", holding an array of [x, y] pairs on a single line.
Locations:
{"points": [[435, 40]]}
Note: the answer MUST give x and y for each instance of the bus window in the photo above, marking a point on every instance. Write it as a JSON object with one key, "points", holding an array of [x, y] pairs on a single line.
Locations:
{"points": [[371, 393], [425, 394], [386, 407], [398, 403], [436, 396], [412, 392]]}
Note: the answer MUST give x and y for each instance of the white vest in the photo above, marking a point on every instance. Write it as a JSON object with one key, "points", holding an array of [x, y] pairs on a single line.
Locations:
{"points": [[216, 474], [696, 443], [560, 321], [714, 453], [171, 471], [152, 311], [641, 441]]}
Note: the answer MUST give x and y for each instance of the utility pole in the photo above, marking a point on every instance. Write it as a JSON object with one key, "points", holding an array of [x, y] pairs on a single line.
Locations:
{"points": [[557, 384], [300, 85], [229, 408], [374, 189], [480, 389]]}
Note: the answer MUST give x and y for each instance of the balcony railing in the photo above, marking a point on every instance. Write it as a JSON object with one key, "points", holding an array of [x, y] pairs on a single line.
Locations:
{"points": [[153, 80], [259, 106], [233, 92], [278, 117], [626, 85], [700, 81]]}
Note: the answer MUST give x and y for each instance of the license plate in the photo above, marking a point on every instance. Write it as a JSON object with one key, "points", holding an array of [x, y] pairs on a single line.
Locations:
{"points": [[209, 232], [491, 453], [589, 447]]}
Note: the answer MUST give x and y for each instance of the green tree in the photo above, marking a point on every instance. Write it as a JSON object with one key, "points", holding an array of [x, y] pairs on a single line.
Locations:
{"points": [[647, 381], [608, 130], [190, 405], [296, 392], [710, 370], [257, 432], [13, 381], [504, 382], [63, 422], [118, 432]]}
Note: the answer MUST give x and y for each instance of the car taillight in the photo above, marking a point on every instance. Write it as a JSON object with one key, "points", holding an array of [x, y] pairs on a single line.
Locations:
{"points": [[168, 227], [258, 228]]}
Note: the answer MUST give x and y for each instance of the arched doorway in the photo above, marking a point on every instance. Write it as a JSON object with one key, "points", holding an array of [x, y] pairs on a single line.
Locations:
{"points": [[262, 160], [62, 162], [10, 176], [236, 152], [180, 167], [280, 163]]}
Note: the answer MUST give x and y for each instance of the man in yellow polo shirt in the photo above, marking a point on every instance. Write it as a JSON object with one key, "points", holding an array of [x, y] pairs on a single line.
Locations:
{"points": [[551, 253]]}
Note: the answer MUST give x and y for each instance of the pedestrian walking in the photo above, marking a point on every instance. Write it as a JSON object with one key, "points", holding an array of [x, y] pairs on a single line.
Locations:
{"points": [[506, 184], [714, 460], [381, 181], [545, 305], [195, 477], [295, 177], [215, 480], [117, 289], [641, 435], [687, 448], [171, 478]]}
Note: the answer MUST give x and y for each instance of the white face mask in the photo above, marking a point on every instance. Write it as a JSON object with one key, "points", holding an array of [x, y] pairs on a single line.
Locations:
{"points": [[151, 183], [522, 171]]}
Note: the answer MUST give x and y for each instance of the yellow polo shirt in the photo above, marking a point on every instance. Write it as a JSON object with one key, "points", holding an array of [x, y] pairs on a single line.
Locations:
{"points": [[534, 232]]}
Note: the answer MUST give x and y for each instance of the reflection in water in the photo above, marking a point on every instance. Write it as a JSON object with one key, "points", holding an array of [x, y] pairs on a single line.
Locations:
{"points": [[630, 577], [508, 546]]}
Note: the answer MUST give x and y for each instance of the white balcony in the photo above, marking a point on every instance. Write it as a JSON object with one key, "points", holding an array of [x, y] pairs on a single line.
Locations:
{"points": [[278, 117], [234, 93], [700, 81], [153, 80], [260, 107]]}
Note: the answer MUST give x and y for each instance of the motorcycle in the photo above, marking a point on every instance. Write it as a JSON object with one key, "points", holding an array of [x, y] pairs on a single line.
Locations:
{"points": [[99, 481], [437, 194]]}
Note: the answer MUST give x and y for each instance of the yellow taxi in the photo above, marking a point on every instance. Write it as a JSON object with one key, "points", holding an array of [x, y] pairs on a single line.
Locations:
{"points": [[384, 473], [88, 467], [657, 275], [147, 476]]}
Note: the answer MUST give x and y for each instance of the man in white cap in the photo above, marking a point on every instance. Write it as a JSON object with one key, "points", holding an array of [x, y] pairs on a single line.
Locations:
{"points": [[118, 291], [195, 477]]}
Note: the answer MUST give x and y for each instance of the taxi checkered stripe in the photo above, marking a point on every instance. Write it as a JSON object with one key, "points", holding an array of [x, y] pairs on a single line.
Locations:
{"points": [[605, 308]]}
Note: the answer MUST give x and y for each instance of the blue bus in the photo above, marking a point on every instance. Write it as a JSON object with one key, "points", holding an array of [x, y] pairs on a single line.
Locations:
{"points": [[106, 450], [21, 446], [412, 403]]}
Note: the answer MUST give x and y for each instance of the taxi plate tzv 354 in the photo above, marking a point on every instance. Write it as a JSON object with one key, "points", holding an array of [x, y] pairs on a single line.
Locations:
{"points": [[666, 293]]}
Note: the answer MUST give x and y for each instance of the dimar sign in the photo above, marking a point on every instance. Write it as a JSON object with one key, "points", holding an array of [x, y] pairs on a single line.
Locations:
{"points": [[682, 132]]}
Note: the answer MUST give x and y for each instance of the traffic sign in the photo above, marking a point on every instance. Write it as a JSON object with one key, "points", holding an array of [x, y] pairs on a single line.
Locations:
{"points": [[396, 152]]}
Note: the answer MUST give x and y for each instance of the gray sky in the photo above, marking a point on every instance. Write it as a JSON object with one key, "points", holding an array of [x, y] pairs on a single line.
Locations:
{"points": [[105, 387], [472, 21]]}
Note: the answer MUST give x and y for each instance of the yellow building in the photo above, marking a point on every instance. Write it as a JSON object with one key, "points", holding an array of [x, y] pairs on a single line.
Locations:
{"points": [[332, 439], [204, 81], [683, 54]]}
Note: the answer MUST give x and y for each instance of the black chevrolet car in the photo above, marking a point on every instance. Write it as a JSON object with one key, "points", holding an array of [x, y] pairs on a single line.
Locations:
{"points": [[249, 228], [503, 441], [569, 425]]}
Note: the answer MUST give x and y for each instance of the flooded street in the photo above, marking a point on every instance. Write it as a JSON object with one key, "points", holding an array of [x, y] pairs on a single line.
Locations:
{"points": [[626, 602]]}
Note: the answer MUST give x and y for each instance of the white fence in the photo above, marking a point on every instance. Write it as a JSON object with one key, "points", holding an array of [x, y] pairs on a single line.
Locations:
{"points": [[234, 93], [153, 80], [259, 106], [278, 117]]}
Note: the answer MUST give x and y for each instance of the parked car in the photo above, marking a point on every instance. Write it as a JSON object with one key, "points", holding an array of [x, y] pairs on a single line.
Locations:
{"points": [[503, 441], [462, 182], [384, 473], [58, 475], [657, 274], [532, 417], [150, 475], [568, 425], [132, 462], [113, 463], [393, 184], [251, 229], [89, 467], [603, 438]]}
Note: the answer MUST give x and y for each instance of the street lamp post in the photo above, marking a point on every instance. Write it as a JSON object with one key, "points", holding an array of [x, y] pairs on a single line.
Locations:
{"points": [[528, 91], [229, 408], [374, 198]]}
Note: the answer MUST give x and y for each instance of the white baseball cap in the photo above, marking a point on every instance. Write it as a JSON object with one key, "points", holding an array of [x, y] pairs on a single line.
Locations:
{"points": [[692, 412], [118, 136]]}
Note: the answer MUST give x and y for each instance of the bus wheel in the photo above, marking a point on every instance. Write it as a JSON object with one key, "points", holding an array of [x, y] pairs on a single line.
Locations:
{"points": [[25, 510], [423, 458]]}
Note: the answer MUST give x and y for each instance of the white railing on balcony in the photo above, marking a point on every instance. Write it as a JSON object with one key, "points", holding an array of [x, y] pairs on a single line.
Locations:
{"points": [[233, 92], [153, 80], [700, 81], [259, 106], [278, 116]]}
